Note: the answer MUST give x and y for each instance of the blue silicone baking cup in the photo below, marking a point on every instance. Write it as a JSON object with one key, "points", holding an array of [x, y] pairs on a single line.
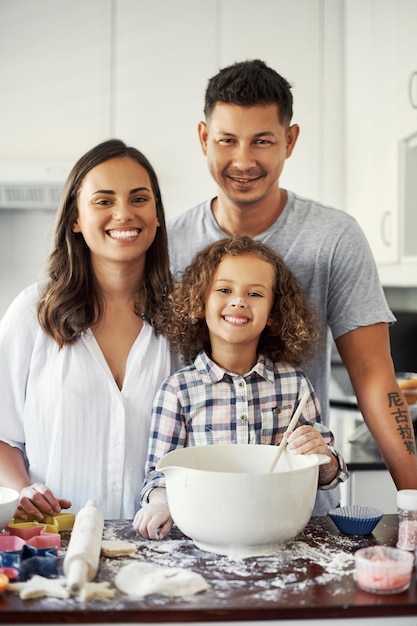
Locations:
{"points": [[356, 519]]}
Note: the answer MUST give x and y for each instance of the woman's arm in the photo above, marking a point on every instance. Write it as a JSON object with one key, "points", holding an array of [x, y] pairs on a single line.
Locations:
{"points": [[36, 499]]}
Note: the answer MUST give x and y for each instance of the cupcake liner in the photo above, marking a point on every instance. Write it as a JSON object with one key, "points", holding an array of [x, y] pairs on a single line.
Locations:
{"points": [[356, 519]]}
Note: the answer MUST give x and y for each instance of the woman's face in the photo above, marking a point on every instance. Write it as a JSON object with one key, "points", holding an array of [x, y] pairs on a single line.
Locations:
{"points": [[117, 211]]}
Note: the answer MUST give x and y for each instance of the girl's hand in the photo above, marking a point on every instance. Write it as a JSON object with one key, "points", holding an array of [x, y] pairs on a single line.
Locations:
{"points": [[37, 500], [153, 520], [307, 440]]}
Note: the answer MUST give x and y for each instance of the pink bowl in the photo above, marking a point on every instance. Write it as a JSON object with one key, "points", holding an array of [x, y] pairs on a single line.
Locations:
{"points": [[381, 569]]}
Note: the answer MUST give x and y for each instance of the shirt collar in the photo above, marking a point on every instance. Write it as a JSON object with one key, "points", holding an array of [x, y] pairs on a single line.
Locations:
{"points": [[212, 373]]}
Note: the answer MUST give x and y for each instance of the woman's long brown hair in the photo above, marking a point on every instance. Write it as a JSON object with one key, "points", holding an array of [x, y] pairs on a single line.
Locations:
{"points": [[71, 301]]}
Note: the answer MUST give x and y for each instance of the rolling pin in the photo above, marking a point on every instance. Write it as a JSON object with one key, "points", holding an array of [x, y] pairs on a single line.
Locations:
{"points": [[84, 547]]}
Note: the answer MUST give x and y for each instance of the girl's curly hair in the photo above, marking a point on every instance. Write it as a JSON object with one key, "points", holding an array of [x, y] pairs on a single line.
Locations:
{"points": [[295, 330]]}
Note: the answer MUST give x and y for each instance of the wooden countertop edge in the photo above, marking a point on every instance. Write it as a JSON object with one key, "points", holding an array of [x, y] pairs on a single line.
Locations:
{"points": [[207, 615]]}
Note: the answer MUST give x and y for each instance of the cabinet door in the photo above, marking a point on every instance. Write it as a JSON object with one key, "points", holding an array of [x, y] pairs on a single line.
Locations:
{"points": [[372, 136], [164, 54], [407, 121], [301, 41], [372, 488], [161, 74], [54, 77]]}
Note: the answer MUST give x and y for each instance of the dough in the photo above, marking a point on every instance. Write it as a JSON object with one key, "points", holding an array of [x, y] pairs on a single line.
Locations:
{"points": [[117, 547], [38, 587], [96, 590], [145, 579]]}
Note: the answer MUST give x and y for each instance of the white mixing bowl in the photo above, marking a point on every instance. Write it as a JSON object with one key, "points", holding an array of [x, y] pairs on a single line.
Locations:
{"points": [[9, 499], [225, 499]]}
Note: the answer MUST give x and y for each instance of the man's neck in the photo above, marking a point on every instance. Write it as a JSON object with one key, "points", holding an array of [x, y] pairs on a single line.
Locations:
{"points": [[247, 219]]}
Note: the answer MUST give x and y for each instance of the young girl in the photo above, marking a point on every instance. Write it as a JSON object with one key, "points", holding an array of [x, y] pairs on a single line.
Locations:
{"points": [[242, 316]]}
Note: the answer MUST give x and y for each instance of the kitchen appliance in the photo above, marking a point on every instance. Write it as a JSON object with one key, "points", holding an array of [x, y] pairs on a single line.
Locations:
{"points": [[31, 184], [30, 192]]}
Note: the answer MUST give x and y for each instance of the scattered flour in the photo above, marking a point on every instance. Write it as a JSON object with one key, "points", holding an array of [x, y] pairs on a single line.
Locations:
{"points": [[312, 559]]}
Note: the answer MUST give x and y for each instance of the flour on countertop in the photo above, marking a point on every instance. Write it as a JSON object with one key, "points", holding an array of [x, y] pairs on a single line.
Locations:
{"points": [[264, 574], [303, 562]]}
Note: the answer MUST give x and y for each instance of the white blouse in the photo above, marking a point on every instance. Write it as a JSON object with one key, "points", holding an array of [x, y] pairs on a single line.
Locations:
{"points": [[83, 437]]}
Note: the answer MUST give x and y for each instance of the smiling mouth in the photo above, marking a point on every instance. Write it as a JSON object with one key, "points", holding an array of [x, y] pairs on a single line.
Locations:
{"points": [[244, 181], [239, 321], [124, 234]]}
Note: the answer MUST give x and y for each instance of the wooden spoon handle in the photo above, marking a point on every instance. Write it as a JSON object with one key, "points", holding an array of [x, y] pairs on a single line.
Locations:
{"points": [[283, 443]]}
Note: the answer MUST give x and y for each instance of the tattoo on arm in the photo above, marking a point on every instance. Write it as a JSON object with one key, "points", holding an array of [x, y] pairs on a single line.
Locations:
{"points": [[400, 414]]}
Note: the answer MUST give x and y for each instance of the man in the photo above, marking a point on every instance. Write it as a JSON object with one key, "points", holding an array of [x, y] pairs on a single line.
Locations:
{"points": [[247, 136]]}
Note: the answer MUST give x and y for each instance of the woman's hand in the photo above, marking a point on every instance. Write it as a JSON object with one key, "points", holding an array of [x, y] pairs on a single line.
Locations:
{"points": [[37, 500], [153, 520]]}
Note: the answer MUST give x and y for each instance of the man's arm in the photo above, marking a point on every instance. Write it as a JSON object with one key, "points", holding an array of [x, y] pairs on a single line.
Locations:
{"points": [[366, 354]]}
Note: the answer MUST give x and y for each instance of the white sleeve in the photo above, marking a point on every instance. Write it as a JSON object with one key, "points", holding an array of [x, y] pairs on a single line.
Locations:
{"points": [[18, 329]]}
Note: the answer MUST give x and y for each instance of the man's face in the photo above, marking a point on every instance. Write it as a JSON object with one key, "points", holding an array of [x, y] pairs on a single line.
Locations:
{"points": [[246, 148]]}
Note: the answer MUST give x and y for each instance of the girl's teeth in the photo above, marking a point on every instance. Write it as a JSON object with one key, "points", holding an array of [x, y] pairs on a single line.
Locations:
{"points": [[235, 320]]}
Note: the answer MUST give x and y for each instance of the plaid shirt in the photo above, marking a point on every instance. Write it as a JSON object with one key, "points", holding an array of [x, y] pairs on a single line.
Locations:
{"points": [[203, 404]]}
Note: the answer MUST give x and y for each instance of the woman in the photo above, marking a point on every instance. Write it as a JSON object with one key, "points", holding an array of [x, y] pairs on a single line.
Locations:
{"points": [[81, 354]]}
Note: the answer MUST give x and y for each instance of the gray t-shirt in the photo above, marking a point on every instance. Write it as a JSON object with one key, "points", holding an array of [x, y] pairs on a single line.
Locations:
{"points": [[329, 254]]}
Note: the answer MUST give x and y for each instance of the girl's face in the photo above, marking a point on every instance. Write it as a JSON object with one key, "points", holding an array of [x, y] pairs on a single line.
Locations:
{"points": [[117, 211], [239, 301]]}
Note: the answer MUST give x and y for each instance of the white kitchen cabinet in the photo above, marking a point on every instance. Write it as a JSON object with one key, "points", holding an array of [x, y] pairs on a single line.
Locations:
{"points": [[161, 74], [55, 76], [302, 42], [381, 56], [164, 54], [371, 123], [370, 488], [75, 73]]}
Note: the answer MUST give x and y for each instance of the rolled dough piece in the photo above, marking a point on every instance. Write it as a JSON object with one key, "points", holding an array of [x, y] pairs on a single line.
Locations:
{"points": [[38, 587], [117, 547], [96, 590], [145, 579]]}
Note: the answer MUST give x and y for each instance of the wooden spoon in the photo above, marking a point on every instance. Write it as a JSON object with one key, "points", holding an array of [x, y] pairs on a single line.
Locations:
{"points": [[283, 443]]}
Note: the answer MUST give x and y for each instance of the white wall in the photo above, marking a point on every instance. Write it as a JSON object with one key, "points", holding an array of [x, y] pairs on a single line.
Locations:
{"points": [[76, 72]]}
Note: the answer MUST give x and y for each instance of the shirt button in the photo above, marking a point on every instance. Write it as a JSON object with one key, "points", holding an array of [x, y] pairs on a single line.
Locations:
{"points": [[243, 418], [241, 383]]}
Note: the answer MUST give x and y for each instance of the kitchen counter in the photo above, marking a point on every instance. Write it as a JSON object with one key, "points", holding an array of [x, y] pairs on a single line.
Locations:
{"points": [[370, 481], [310, 578], [354, 441]]}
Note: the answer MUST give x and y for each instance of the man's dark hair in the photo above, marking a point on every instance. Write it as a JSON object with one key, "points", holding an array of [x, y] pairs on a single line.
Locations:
{"points": [[247, 84]]}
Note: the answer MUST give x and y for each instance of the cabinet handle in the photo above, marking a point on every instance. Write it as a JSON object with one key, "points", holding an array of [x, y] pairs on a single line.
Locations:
{"points": [[411, 84], [386, 240]]}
